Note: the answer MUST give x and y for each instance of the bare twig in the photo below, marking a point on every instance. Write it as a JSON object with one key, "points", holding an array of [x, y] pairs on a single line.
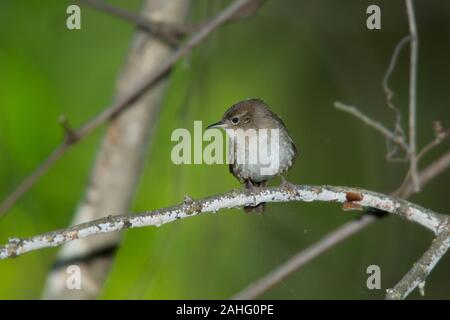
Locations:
{"points": [[168, 32], [388, 92], [422, 268], [397, 136], [274, 277], [121, 105], [388, 134], [305, 193], [440, 135], [265, 283], [430, 172], [29, 181], [71, 136], [413, 94]]}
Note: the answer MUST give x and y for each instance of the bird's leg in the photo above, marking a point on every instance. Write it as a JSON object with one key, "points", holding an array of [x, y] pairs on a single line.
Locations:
{"points": [[252, 189], [250, 186], [290, 187]]}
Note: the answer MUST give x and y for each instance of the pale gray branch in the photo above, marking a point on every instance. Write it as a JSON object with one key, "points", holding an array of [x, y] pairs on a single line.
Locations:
{"points": [[389, 94], [234, 199], [413, 94], [120, 157], [440, 136]]}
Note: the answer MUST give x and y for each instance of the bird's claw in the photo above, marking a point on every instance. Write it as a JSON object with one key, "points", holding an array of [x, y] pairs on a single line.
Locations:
{"points": [[289, 187], [188, 200]]}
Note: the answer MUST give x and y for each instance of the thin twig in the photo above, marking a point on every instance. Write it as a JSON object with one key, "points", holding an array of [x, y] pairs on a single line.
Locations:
{"points": [[120, 106], [430, 172], [422, 268], [388, 134], [30, 180], [413, 94], [265, 283], [170, 33], [71, 135], [440, 135], [389, 94], [233, 199]]}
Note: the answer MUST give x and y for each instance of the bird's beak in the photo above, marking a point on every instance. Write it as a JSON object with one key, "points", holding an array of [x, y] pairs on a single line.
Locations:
{"points": [[219, 124]]}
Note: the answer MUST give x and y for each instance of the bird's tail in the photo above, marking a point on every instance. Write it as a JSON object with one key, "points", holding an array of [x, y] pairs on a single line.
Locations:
{"points": [[254, 186]]}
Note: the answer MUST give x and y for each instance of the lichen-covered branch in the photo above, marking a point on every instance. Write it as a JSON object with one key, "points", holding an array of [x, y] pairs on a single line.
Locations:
{"points": [[306, 193], [422, 268], [293, 264]]}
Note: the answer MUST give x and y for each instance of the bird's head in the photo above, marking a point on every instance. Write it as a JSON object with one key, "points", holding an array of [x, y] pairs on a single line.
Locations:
{"points": [[247, 114]]}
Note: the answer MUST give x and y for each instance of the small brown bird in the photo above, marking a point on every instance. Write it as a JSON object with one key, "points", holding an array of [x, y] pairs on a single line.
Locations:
{"points": [[260, 147]]}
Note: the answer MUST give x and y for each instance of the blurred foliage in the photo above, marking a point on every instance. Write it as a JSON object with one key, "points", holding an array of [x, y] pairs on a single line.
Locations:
{"points": [[299, 56]]}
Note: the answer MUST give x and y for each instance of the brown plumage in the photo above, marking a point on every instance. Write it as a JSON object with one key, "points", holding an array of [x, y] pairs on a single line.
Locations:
{"points": [[259, 123]]}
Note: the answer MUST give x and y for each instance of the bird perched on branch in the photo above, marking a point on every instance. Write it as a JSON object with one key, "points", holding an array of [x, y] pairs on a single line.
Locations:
{"points": [[259, 148]]}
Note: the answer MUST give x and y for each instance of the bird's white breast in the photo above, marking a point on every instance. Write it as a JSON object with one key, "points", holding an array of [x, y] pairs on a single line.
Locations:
{"points": [[272, 155]]}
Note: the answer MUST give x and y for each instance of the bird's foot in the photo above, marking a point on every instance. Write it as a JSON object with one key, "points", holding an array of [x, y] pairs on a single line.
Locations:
{"points": [[289, 187], [187, 199], [251, 187]]}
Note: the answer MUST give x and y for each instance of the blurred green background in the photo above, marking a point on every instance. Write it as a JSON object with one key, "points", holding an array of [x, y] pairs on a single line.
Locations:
{"points": [[299, 56]]}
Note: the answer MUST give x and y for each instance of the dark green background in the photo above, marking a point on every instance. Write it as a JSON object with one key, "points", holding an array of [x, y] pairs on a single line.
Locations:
{"points": [[299, 56]]}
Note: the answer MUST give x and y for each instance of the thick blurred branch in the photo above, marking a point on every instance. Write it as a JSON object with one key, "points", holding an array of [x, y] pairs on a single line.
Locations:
{"points": [[234, 199], [228, 14], [119, 162]]}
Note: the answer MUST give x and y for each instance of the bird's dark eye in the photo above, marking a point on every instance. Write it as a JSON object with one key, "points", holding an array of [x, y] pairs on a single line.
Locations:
{"points": [[235, 120]]}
